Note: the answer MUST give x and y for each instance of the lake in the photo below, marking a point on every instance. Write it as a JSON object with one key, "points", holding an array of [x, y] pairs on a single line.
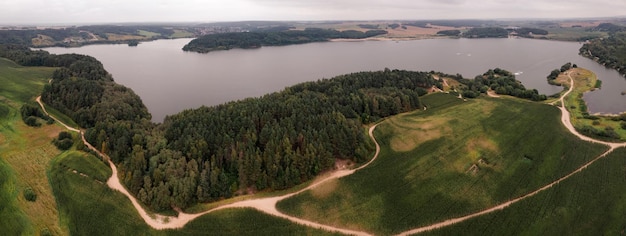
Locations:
{"points": [[169, 80]]}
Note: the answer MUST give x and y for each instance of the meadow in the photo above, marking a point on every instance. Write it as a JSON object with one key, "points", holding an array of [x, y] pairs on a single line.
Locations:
{"points": [[24, 155], [453, 159]]}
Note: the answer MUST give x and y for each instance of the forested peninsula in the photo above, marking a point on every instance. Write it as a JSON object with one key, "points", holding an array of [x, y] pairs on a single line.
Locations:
{"points": [[610, 51], [247, 40]]}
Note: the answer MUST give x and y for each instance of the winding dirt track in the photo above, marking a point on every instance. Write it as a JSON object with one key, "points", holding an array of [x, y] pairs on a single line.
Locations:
{"points": [[268, 205]]}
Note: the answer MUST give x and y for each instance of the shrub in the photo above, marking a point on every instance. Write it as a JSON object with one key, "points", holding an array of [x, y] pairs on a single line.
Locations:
{"points": [[32, 121], [30, 195], [64, 141]]}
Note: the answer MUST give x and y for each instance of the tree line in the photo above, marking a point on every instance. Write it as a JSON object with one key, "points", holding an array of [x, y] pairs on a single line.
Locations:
{"points": [[500, 81], [246, 40], [486, 32]]}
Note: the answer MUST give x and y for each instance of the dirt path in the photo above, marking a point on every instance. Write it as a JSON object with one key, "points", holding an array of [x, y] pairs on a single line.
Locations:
{"points": [[492, 94]]}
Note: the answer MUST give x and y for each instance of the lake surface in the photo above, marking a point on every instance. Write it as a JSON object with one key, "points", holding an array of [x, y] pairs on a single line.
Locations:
{"points": [[169, 80]]}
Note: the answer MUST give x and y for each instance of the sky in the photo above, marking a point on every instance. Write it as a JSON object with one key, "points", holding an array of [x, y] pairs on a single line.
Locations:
{"points": [[118, 11]]}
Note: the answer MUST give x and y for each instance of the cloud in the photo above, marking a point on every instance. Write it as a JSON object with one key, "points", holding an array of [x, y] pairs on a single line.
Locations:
{"points": [[92, 11]]}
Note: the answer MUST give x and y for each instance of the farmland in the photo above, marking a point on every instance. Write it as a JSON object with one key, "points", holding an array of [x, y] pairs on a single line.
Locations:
{"points": [[588, 203], [453, 159]]}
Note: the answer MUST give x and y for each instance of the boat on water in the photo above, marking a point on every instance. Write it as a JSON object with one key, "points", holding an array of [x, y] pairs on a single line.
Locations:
{"points": [[518, 73]]}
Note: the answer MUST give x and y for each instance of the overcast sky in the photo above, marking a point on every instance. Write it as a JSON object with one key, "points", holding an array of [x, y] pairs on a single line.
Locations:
{"points": [[109, 11]]}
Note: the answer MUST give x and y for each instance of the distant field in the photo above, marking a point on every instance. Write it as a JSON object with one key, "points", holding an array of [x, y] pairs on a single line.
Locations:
{"points": [[181, 34], [122, 37], [589, 203], [572, 34], [148, 34], [453, 159]]}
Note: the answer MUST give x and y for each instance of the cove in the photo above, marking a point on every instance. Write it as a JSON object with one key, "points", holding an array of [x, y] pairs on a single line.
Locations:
{"points": [[169, 80]]}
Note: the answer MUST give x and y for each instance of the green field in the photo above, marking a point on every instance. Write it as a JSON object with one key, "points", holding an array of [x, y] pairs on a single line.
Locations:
{"points": [[573, 34], [453, 159], [181, 34], [24, 154], [589, 203], [148, 34]]}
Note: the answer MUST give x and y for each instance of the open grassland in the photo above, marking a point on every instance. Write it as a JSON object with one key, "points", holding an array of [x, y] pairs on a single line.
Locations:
{"points": [[21, 84], [14, 221], [25, 154], [589, 203], [584, 81], [89, 207], [148, 34], [451, 160], [573, 34], [123, 37]]}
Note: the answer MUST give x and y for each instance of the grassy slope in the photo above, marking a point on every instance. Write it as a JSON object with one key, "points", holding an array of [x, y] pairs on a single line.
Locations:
{"points": [[424, 173], [24, 153], [589, 203]]}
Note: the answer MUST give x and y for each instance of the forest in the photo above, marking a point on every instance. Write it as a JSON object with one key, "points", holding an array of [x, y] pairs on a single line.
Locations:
{"points": [[610, 52], [449, 32], [246, 40], [529, 32]]}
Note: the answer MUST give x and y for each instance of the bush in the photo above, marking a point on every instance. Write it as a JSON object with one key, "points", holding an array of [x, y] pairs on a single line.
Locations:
{"points": [[65, 135], [30, 195], [64, 142], [32, 121]]}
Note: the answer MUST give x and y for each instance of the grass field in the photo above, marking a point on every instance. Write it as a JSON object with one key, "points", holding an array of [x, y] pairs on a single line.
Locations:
{"points": [[148, 34], [181, 34], [453, 159], [25, 153], [572, 34], [14, 221], [584, 81], [589, 203]]}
